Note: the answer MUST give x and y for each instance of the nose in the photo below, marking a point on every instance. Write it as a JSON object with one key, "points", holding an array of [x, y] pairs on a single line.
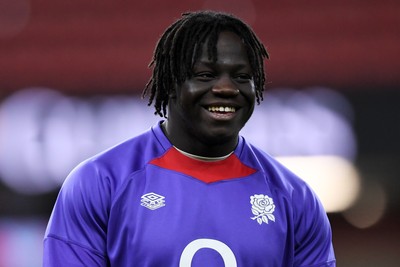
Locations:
{"points": [[224, 86]]}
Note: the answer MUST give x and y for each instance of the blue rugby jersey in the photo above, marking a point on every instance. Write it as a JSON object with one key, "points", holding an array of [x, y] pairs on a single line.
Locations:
{"points": [[142, 203]]}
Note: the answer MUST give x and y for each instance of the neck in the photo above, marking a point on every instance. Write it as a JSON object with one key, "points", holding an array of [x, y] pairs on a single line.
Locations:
{"points": [[203, 158], [195, 146]]}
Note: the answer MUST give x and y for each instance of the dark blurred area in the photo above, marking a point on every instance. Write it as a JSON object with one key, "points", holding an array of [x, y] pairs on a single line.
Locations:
{"points": [[84, 49]]}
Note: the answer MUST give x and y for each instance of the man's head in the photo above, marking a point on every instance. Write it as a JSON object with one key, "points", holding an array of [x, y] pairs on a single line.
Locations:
{"points": [[181, 45]]}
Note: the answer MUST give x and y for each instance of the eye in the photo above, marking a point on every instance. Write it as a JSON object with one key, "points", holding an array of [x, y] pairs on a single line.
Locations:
{"points": [[243, 78], [204, 76]]}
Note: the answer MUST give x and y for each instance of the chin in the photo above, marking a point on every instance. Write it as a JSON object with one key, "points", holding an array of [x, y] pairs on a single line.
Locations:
{"points": [[220, 138]]}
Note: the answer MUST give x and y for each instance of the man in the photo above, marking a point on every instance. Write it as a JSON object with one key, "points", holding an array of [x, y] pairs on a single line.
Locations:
{"points": [[191, 191]]}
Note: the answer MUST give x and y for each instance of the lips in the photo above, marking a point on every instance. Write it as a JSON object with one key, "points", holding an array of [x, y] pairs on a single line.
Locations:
{"points": [[222, 109], [221, 112]]}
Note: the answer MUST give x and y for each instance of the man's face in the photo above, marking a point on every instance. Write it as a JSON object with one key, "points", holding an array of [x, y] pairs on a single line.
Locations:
{"points": [[214, 103]]}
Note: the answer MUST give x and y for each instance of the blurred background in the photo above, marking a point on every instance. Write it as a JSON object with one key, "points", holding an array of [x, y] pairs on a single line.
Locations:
{"points": [[72, 73]]}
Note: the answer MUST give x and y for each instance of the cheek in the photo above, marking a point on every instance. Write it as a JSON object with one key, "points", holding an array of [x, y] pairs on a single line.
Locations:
{"points": [[190, 93], [250, 94], [184, 101], [194, 89], [251, 101]]}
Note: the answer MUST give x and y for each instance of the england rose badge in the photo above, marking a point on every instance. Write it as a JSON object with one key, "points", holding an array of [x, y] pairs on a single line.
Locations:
{"points": [[263, 207]]}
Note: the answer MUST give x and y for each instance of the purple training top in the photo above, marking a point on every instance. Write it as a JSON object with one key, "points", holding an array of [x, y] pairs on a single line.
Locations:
{"points": [[142, 203]]}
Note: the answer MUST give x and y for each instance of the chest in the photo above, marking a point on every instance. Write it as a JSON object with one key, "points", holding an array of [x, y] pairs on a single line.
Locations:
{"points": [[163, 218]]}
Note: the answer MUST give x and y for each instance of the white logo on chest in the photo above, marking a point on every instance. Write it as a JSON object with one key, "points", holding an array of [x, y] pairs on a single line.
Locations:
{"points": [[152, 201], [262, 207], [193, 247]]}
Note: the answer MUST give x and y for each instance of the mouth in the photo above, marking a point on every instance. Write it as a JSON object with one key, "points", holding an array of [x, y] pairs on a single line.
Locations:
{"points": [[221, 109], [222, 112]]}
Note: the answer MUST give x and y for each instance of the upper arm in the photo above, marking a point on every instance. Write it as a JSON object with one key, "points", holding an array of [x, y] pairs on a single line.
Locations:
{"points": [[59, 252], [76, 232], [313, 236]]}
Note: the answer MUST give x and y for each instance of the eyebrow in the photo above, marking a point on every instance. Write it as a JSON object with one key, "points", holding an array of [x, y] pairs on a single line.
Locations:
{"points": [[209, 63]]}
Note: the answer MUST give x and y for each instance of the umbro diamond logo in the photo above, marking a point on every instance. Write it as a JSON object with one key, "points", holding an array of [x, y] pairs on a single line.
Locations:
{"points": [[152, 201]]}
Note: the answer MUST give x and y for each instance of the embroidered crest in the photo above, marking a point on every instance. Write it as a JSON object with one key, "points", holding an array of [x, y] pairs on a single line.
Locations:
{"points": [[262, 207], [152, 201]]}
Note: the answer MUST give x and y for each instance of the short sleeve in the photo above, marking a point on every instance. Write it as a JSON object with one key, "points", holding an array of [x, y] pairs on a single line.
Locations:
{"points": [[76, 232], [313, 235]]}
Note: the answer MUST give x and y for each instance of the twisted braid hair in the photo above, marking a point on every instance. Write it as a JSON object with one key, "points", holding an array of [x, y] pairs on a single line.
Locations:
{"points": [[181, 45]]}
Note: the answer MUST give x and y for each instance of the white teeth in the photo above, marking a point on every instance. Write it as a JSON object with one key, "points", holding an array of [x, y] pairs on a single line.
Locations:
{"points": [[221, 109]]}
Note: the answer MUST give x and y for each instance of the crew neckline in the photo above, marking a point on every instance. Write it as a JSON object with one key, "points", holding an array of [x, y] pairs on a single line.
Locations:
{"points": [[209, 159]]}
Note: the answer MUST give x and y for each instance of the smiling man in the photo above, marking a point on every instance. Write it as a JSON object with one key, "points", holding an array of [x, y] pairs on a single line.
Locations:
{"points": [[191, 191], [207, 111]]}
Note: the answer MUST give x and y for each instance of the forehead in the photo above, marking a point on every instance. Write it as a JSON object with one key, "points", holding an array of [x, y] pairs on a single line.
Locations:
{"points": [[229, 47]]}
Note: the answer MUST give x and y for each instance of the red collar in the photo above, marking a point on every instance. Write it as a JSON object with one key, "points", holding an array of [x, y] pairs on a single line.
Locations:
{"points": [[206, 171]]}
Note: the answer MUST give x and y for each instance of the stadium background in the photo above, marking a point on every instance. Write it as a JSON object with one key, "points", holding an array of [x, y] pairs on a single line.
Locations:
{"points": [[64, 53]]}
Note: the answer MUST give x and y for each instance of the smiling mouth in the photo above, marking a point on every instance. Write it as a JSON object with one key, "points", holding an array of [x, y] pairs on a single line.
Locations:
{"points": [[222, 109]]}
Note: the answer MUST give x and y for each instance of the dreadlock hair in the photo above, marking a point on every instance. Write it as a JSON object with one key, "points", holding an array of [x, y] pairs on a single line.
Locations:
{"points": [[181, 44]]}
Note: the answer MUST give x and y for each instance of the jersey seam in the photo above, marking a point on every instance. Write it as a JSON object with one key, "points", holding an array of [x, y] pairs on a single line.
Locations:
{"points": [[158, 139], [130, 176], [120, 189], [64, 240], [187, 176], [319, 264]]}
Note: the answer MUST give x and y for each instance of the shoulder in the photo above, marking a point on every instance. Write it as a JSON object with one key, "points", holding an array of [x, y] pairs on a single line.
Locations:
{"points": [[284, 184], [89, 189], [277, 175], [129, 155], [309, 222], [111, 168]]}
